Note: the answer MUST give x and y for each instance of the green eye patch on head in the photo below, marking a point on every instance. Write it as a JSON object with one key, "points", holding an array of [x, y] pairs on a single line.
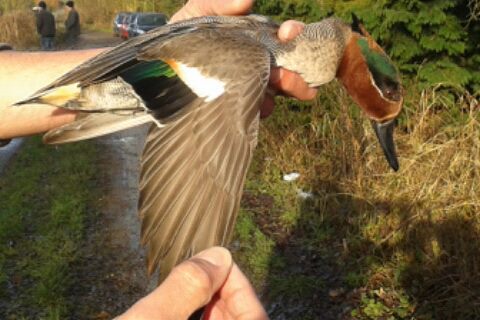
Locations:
{"points": [[384, 73]]}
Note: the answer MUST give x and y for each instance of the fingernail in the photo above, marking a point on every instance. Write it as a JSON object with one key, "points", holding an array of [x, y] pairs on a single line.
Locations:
{"points": [[312, 92], [267, 107], [308, 94], [290, 29], [275, 75], [217, 256]]}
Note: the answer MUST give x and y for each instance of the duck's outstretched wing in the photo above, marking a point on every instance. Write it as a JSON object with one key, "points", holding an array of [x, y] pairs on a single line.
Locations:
{"points": [[194, 168], [121, 85], [201, 83]]}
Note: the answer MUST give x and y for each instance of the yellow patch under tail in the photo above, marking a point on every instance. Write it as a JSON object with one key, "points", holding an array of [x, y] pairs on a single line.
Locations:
{"points": [[60, 96]]}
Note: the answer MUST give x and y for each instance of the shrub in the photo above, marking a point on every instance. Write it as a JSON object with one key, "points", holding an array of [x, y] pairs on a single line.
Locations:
{"points": [[18, 29], [435, 41]]}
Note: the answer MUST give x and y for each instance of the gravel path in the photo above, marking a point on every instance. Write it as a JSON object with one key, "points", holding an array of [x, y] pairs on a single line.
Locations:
{"points": [[111, 275], [8, 151]]}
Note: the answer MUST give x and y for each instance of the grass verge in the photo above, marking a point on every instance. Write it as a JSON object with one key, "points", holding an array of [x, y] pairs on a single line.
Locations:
{"points": [[44, 209], [18, 29], [370, 243]]}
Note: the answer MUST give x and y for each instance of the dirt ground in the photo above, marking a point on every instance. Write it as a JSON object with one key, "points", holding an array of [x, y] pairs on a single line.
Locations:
{"points": [[112, 275], [92, 39]]}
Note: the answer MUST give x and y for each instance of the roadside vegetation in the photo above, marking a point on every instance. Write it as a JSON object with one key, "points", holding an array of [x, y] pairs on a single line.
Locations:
{"points": [[369, 243], [94, 15], [18, 29], [350, 237], [47, 199]]}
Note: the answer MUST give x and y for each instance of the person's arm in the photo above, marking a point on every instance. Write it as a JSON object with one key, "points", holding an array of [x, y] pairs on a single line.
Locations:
{"points": [[69, 22], [24, 73], [75, 19], [39, 22]]}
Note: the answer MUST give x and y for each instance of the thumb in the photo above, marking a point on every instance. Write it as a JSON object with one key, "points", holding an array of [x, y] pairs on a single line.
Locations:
{"points": [[189, 287], [196, 280], [289, 30]]}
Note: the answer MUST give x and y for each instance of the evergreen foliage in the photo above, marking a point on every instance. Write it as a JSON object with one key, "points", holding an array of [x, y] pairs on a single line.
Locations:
{"points": [[303, 10], [437, 41], [434, 39]]}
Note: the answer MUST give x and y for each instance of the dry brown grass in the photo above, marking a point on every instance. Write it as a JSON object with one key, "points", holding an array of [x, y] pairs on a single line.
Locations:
{"points": [[18, 29], [414, 233], [12, 5]]}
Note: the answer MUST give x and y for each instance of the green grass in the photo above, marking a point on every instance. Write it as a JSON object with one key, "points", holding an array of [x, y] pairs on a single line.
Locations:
{"points": [[371, 244], [401, 245], [46, 194]]}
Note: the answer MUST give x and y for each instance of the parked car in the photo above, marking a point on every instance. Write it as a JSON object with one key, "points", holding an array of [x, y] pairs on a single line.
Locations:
{"points": [[117, 22], [126, 23], [144, 22]]}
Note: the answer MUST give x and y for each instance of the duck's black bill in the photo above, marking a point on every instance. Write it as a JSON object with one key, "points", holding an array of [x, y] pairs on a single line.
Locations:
{"points": [[384, 132]]}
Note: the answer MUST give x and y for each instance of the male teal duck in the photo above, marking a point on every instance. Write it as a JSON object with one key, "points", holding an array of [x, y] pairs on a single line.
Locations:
{"points": [[200, 83]]}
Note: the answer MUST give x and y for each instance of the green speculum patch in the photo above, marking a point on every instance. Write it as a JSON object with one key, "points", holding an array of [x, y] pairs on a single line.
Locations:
{"points": [[148, 69]]}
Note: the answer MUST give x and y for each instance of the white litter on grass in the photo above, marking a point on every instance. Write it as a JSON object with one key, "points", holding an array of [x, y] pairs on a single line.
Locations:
{"points": [[304, 194], [291, 176]]}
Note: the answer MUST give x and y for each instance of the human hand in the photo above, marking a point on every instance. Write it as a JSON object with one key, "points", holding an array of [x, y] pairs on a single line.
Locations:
{"points": [[209, 279], [281, 80]]}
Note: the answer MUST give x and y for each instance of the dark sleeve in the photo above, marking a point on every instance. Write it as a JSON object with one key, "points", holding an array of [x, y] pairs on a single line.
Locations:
{"points": [[70, 22], [39, 22]]}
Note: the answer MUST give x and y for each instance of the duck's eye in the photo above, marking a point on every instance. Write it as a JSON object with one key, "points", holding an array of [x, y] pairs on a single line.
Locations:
{"points": [[392, 93]]}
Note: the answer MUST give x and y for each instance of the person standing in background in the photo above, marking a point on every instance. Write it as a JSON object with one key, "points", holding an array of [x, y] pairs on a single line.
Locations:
{"points": [[45, 27], [72, 24]]}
